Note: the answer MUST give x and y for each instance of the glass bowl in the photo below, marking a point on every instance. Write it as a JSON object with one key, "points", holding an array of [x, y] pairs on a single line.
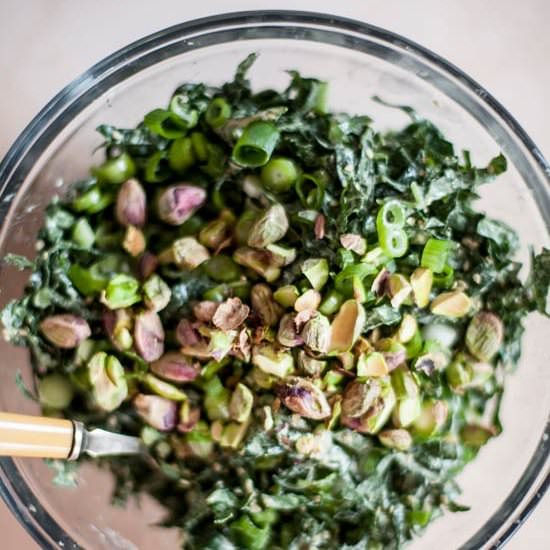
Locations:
{"points": [[511, 473]]}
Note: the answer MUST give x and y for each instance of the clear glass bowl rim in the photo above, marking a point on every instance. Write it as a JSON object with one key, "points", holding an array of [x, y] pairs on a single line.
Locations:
{"points": [[42, 129]]}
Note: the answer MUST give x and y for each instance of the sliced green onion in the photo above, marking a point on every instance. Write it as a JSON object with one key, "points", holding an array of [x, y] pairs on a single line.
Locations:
{"points": [[414, 346], [394, 242], [434, 255], [446, 278], [83, 234], [179, 105], [256, 144], [165, 124], [217, 112], [331, 302], [181, 155], [310, 189], [344, 257], [343, 282], [156, 168], [116, 170], [392, 215], [279, 174], [93, 200]]}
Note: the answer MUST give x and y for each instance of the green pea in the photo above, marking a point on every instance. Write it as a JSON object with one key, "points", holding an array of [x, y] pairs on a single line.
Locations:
{"points": [[331, 302], [279, 174], [156, 168], [217, 112], [93, 200], [222, 268], [83, 234], [180, 155], [55, 391], [200, 146]]}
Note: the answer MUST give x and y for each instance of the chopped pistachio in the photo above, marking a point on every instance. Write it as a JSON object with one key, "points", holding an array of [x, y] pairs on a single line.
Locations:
{"points": [[176, 367], [309, 300], [399, 289], [158, 412], [382, 402], [262, 262], [316, 334], [360, 396], [287, 334], [263, 303], [64, 330], [354, 242], [484, 335], [432, 418], [286, 295], [313, 444], [149, 335], [241, 403], [188, 253], [204, 311], [269, 228], [213, 234], [452, 304], [407, 329], [399, 439], [347, 326], [107, 381], [310, 366], [316, 271], [178, 203], [372, 364], [304, 398], [281, 254], [221, 342], [380, 282], [131, 204], [156, 293], [230, 314], [134, 241], [233, 434], [459, 373], [421, 283], [164, 389], [271, 360], [476, 436]]}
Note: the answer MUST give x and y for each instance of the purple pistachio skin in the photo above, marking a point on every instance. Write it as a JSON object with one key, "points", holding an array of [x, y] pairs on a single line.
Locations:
{"points": [[65, 331], [176, 204], [147, 265], [304, 398], [187, 425], [131, 204], [149, 335], [175, 367], [158, 412], [186, 334]]}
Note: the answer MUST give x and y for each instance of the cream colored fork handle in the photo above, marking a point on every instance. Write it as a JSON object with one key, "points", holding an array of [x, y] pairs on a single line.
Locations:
{"points": [[35, 436]]}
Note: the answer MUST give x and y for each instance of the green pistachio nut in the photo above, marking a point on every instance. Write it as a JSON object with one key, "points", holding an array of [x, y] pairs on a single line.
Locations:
{"points": [[241, 403], [64, 330], [272, 360], [55, 391], [484, 335], [316, 271], [107, 381], [156, 293], [287, 334], [269, 228], [347, 326], [164, 389], [158, 412], [176, 204], [262, 262], [188, 253], [304, 398], [286, 296], [264, 305], [433, 416], [316, 334], [310, 366], [399, 439]]}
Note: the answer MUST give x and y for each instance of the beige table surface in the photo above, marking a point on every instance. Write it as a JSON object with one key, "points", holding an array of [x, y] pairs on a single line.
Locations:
{"points": [[504, 44]]}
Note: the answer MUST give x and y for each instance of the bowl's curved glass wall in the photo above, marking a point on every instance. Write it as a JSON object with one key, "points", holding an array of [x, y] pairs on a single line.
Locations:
{"points": [[359, 62]]}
